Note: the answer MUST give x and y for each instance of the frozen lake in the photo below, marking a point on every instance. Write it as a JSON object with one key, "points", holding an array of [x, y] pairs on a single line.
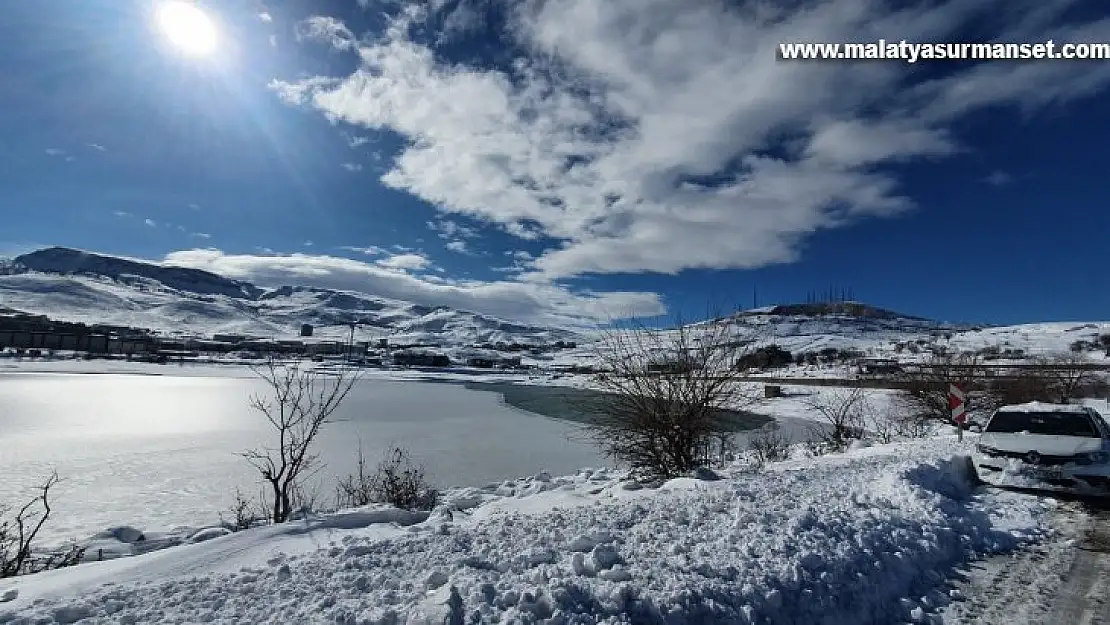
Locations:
{"points": [[161, 451]]}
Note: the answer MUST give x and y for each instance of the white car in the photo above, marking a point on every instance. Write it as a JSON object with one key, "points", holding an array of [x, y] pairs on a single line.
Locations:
{"points": [[1052, 446]]}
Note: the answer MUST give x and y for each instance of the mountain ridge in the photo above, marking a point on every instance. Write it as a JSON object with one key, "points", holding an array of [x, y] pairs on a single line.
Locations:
{"points": [[77, 285]]}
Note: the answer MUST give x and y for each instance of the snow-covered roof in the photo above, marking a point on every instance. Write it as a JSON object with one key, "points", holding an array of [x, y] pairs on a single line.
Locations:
{"points": [[1040, 406]]}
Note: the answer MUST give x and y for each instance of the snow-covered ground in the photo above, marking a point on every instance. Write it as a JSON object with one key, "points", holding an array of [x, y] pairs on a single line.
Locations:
{"points": [[872, 536]]}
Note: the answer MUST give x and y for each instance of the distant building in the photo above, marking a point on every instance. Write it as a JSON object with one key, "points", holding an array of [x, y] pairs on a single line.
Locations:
{"points": [[878, 366], [420, 358]]}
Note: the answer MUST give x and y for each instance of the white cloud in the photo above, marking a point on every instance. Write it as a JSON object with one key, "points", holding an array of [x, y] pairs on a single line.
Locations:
{"points": [[998, 178], [308, 243], [408, 262], [326, 30], [541, 304], [150, 222], [265, 17], [662, 135], [54, 152], [273, 41], [458, 246], [372, 250], [357, 141], [97, 147], [121, 214], [351, 167], [448, 229], [201, 235], [195, 207]]}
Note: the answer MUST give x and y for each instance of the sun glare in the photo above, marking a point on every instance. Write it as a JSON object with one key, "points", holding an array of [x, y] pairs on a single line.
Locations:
{"points": [[187, 27]]}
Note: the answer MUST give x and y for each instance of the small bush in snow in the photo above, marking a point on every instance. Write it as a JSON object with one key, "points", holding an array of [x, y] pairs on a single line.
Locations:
{"points": [[356, 489], [844, 414], [243, 513], [397, 481], [18, 530], [768, 444]]}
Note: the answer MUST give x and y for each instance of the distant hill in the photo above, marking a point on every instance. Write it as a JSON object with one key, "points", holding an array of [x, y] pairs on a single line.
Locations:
{"points": [[845, 309], [74, 285]]}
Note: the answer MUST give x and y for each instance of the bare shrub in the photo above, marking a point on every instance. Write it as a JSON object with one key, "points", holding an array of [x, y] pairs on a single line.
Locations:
{"points": [[301, 403], [843, 413], [881, 426], [926, 396], [906, 422], [356, 489], [20, 528], [1054, 379], [242, 514], [666, 395], [1070, 375], [397, 481], [305, 500], [769, 444]]}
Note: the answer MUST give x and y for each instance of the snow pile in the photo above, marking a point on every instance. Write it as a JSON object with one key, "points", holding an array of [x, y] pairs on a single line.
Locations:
{"points": [[867, 537]]}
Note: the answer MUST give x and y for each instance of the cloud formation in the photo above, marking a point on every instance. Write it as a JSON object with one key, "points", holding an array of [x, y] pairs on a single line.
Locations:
{"points": [[998, 178], [409, 261], [663, 135], [541, 304]]}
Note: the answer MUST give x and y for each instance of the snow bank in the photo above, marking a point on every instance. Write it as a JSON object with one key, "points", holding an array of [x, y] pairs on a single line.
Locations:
{"points": [[867, 537]]}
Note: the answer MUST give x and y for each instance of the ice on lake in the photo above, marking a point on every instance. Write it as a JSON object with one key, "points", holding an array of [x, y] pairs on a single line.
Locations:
{"points": [[158, 452]]}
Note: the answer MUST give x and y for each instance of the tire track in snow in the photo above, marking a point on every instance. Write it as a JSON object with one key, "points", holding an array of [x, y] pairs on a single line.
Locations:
{"points": [[1064, 580], [1082, 598]]}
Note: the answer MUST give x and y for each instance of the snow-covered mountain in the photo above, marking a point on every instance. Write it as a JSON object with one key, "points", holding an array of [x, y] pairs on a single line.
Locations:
{"points": [[73, 285]]}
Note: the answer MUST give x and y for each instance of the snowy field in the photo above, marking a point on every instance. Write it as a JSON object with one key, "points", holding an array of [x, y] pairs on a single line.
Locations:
{"points": [[872, 536], [156, 452]]}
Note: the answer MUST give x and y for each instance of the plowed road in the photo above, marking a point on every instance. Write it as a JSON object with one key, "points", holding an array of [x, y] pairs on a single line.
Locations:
{"points": [[1063, 581]]}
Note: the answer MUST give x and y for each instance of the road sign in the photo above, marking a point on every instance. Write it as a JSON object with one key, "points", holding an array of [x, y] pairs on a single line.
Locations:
{"points": [[957, 403]]}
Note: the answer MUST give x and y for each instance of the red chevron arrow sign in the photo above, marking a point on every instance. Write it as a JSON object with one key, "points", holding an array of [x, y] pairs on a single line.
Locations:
{"points": [[957, 403]]}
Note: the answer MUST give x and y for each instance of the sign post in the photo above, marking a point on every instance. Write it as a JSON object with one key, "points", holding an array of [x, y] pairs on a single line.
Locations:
{"points": [[957, 403]]}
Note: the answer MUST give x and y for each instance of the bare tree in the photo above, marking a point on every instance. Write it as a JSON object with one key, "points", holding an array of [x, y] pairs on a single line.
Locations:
{"points": [[666, 395], [1070, 375], [301, 402], [19, 531], [1054, 379], [844, 413]]}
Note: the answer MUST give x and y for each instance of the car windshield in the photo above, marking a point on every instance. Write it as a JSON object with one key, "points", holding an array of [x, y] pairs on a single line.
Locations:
{"points": [[1046, 423]]}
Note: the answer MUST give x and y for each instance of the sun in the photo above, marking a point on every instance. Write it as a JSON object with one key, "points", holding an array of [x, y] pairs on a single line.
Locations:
{"points": [[187, 27]]}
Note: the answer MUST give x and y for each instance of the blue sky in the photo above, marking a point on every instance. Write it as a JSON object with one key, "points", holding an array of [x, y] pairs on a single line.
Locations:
{"points": [[562, 161]]}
